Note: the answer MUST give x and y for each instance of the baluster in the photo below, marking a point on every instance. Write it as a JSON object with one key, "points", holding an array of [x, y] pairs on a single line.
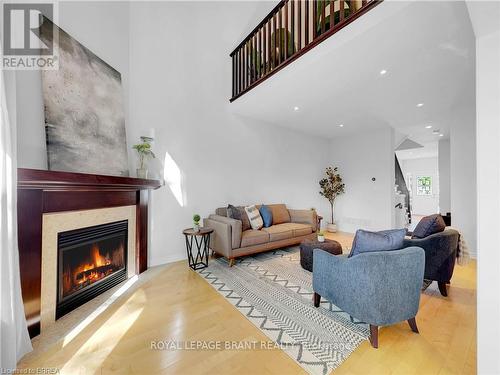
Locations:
{"points": [[280, 37], [275, 41], [292, 25], [332, 13], [315, 19], [341, 11], [363, 3], [268, 61], [299, 25], [262, 53], [234, 74], [285, 30], [306, 24], [323, 15]]}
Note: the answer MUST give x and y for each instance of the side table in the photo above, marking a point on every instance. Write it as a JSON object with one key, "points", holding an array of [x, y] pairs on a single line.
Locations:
{"points": [[202, 241]]}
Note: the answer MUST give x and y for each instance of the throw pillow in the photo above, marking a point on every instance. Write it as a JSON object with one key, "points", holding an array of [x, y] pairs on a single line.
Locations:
{"points": [[429, 225], [365, 241], [280, 213], [254, 216], [238, 213], [267, 215]]}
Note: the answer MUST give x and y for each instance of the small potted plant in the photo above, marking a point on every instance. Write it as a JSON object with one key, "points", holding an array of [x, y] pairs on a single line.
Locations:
{"points": [[321, 236], [196, 222], [144, 151], [331, 187]]}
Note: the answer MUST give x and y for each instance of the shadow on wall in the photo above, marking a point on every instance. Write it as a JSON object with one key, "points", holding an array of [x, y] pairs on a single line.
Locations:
{"points": [[173, 178]]}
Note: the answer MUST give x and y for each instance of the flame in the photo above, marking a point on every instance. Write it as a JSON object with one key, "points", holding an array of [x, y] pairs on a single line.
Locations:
{"points": [[78, 277]]}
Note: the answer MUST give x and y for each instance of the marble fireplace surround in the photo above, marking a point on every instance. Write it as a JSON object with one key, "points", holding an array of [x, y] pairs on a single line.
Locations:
{"points": [[54, 223], [49, 202]]}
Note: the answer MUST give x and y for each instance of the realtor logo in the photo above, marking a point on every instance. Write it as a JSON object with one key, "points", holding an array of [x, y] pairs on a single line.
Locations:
{"points": [[23, 45]]}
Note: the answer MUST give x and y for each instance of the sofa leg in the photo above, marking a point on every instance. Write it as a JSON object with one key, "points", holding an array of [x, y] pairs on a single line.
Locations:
{"points": [[374, 336], [316, 299], [413, 325], [231, 262], [442, 289]]}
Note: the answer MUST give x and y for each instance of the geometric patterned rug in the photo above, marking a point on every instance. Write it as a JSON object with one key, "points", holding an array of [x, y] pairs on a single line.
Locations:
{"points": [[273, 291]]}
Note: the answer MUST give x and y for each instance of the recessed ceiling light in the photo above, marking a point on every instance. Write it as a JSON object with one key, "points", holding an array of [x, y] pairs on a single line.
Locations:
{"points": [[341, 125], [420, 105], [383, 71], [295, 109], [441, 135], [428, 126]]}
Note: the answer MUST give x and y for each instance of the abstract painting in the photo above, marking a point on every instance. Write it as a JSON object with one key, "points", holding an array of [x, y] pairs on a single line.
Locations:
{"points": [[84, 117]]}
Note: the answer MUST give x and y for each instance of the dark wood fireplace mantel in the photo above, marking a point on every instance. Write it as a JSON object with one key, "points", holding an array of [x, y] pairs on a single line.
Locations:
{"points": [[41, 192]]}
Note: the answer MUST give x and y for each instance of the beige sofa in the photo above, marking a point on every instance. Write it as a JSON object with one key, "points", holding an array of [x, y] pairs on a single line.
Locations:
{"points": [[289, 228]]}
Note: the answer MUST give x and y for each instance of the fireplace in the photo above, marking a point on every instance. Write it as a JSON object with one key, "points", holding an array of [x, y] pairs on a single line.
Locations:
{"points": [[89, 261]]}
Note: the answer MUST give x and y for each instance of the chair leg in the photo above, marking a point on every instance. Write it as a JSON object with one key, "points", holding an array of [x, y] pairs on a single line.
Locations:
{"points": [[413, 325], [231, 262], [316, 299], [374, 336], [442, 289]]}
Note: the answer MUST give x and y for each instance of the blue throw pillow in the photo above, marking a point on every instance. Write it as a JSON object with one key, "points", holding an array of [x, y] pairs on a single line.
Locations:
{"points": [[267, 215], [365, 241], [429, 225]]}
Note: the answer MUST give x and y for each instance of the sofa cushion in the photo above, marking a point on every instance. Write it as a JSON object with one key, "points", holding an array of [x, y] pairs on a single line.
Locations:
{"points": [[299, 229], [253, 214], [238, 213], [429, 225], [279, 232], [253, 237], [280, 213], [267, 215], [365, 241]]}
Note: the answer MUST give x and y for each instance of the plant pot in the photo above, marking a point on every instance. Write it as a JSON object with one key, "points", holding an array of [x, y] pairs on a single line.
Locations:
{"points": [[142, 173], [196, 227], [332, 228], [321, 238]]}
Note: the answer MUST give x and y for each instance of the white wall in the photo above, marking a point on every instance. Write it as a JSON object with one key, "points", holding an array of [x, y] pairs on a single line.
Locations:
{"points": [[463, 175], [181, 88], [366, 204], [103, 28], [488, 188], [422, 204], [444, 175]]}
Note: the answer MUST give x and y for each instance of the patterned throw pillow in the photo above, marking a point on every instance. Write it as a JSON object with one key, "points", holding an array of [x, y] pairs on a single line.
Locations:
{"points": [[254, 216], [238, 213]]}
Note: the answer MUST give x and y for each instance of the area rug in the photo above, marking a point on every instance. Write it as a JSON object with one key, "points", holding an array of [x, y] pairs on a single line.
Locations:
{"points": [[274, 292]]}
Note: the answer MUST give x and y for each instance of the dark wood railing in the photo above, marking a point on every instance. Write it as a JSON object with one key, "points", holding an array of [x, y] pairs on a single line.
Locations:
{"points": [[291, 29]]}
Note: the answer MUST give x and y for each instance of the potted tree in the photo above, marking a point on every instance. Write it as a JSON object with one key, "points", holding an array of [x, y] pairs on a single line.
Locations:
{"points": [[331, 187], [144, 151]]}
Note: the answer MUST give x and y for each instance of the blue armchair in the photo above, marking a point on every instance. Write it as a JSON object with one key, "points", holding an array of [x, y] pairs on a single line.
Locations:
{"points": [[440, 256], [379, 288]]}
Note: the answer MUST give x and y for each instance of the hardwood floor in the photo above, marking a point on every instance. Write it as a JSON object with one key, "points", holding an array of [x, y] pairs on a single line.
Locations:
{"points": [[174, 303]]}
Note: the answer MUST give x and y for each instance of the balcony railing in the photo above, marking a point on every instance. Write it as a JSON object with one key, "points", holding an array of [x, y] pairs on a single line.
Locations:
{"points": [[291, 29]]}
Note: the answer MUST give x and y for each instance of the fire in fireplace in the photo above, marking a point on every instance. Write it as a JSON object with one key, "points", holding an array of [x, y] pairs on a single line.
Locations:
{"points": [[90, 261]]}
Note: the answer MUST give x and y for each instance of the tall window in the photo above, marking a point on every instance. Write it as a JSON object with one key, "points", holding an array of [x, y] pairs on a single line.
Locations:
{"points": [[424, 185]]}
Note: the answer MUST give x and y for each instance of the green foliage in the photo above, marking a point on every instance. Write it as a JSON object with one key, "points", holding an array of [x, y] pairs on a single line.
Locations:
{"points": [[331, 186], [144, 151], [196, 218]]}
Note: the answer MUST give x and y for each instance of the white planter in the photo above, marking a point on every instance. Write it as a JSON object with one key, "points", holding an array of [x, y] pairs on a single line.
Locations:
{"points": [[321, 238], [332, 228], [196, 227]]}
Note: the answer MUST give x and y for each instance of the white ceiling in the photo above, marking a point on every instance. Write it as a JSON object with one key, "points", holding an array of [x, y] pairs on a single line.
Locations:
{"points": [[427, 49]]}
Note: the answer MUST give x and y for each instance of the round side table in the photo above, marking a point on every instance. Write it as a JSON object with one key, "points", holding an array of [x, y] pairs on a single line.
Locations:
{"points": [[202, 241]]}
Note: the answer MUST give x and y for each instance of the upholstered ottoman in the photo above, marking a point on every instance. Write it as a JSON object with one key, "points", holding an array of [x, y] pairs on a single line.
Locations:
{"points": [[308, 245]]}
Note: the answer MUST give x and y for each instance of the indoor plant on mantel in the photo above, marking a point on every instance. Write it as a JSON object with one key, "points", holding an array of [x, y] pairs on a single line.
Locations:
{"points": [[144, 151], [331, 187]]}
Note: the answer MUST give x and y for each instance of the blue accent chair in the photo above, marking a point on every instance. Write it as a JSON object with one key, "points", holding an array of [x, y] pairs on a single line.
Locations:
{"points": [[379, 288]]}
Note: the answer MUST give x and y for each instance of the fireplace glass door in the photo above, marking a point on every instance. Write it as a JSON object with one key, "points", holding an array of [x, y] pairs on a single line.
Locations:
{"points": [[90, 261]]}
